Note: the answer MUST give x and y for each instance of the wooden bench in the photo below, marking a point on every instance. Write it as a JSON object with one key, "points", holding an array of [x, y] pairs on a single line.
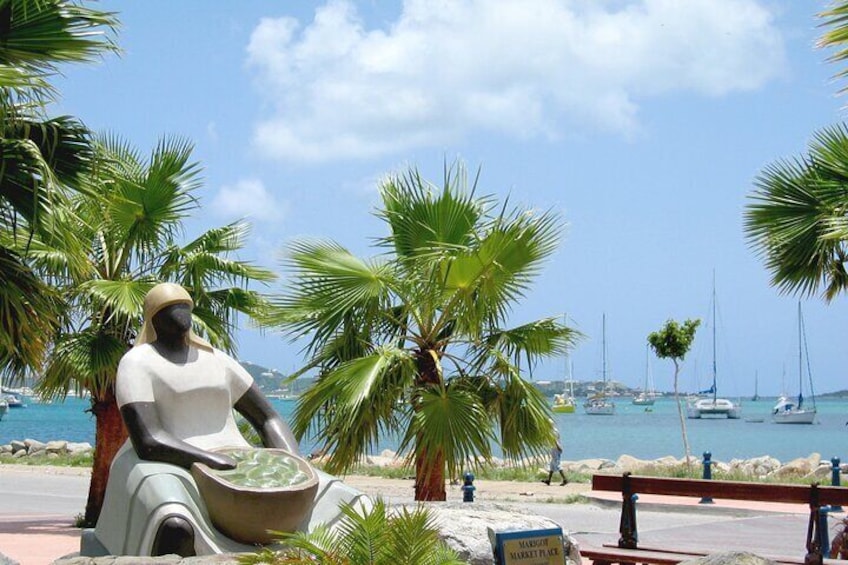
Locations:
{"points": [[628, 552]]}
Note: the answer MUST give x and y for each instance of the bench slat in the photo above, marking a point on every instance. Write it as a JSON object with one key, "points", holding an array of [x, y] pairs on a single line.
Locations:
{"points": [[735, 490]]}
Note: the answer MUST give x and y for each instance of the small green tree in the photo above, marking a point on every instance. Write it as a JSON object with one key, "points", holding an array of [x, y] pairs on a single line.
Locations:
{"points": [[673, 342]]}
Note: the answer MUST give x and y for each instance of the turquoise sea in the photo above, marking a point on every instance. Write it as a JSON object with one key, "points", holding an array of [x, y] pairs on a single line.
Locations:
{"points": [[646, 435]]}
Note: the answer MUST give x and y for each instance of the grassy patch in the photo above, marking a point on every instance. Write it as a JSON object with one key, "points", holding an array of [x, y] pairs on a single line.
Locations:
{"points": [[75, 460]]}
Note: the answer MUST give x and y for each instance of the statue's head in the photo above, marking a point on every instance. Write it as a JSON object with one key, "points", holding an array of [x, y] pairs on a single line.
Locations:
{"points": [[168, 304]]}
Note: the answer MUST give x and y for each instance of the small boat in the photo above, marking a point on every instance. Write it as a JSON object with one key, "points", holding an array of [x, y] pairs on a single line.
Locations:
{"points": [[713, 407], [14, 401], [563, 404], [599, 404], [4, 407], [787, 410], [647, 396]]}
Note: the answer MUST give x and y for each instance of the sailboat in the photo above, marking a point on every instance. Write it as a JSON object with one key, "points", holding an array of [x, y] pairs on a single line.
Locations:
{"points": [[566, 404], [599, 404], [647, 396], [787, 411], [710, 407], [756, 396]]}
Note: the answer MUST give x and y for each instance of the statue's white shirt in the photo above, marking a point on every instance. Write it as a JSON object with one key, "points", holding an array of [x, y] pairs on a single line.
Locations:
{"points": [[194, 399]]}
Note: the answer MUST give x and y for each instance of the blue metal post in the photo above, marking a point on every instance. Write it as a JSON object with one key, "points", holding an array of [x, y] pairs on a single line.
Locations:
{"points": [[824, 544], [708, 475], [834, 478], [468, 487]]}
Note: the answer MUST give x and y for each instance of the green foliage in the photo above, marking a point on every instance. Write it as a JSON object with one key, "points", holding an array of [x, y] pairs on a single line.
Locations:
{"points": [[836, 21], [376, 536], [83, 460], [118, 239], [673, 340], [414, 342], [40, 157], [797, 218]]}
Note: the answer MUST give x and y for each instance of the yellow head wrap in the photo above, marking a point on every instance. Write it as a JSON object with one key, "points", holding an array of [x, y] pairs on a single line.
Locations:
{"points": [[161, 295]]}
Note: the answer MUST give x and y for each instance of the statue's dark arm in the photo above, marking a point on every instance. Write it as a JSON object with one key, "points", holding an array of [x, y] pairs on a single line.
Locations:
{"points": [[153, 443], [272, 429]]}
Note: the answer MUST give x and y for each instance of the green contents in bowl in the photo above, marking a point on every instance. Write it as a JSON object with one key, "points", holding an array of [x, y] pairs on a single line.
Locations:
{"points": [[258, 468]]}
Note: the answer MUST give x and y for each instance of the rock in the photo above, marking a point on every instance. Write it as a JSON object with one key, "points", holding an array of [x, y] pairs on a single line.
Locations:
{"points": [[820, 473], [464, 527], [17, 445], [34, 445], [795, 468], [628, 463], [379, 461], [56, 446], [729, 558], [756, 467], [78, 447], [6, 561]]}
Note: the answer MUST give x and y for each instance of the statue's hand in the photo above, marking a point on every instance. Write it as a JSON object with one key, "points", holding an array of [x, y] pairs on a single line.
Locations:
{"points": [[219, 461]]}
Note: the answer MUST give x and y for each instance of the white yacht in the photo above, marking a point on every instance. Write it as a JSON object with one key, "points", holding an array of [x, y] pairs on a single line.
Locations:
{"points": [[788, 410], [713, 407], [600, 404]]}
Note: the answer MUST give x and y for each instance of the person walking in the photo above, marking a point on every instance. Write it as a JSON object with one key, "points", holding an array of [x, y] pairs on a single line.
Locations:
{"points": [[556, 459]]}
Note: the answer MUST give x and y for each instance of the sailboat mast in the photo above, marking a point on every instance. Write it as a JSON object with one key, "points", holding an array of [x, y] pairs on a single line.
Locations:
{"points": [[800, 355], [604, 350], [714, 341]]}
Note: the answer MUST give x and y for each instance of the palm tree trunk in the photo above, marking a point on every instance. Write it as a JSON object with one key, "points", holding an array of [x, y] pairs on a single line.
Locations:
{"points": [[430, 477], [110, 434], [682, 419], [429, 467]]}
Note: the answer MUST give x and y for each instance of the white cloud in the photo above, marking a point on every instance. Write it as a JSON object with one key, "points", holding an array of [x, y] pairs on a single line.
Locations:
{"points": [[248, 198], [446, 68]]}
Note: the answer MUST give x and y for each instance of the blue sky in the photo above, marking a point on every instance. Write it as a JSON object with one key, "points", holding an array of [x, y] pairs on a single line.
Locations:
{"points": [[643, 123]]}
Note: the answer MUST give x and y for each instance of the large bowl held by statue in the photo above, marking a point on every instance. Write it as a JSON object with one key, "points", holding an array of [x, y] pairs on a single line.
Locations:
{"points": [[270, 489]]}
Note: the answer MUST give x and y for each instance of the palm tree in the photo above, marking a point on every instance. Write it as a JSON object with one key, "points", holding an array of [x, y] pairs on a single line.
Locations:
{"points": [[39, 156], [375, 536], [836, 19], [412, 342], [119, 238], [797, 219]]}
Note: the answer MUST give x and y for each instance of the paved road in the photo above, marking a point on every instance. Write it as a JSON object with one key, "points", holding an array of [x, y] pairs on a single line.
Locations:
{"points": [[37, 509]]}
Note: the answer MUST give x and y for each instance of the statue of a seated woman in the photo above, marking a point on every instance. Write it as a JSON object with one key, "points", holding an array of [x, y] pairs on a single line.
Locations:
{"points": [[176, 394]]}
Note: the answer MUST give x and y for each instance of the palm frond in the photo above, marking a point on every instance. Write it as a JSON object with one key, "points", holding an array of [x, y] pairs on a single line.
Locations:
{"points": [[29, 316], [84, 361], [797, 220], [123, 297], [423, 219], [523, 418], [377, 535], [37, 37], [328, 285], [350, 405], [451, 421], [525, 345], [836, 19]]}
